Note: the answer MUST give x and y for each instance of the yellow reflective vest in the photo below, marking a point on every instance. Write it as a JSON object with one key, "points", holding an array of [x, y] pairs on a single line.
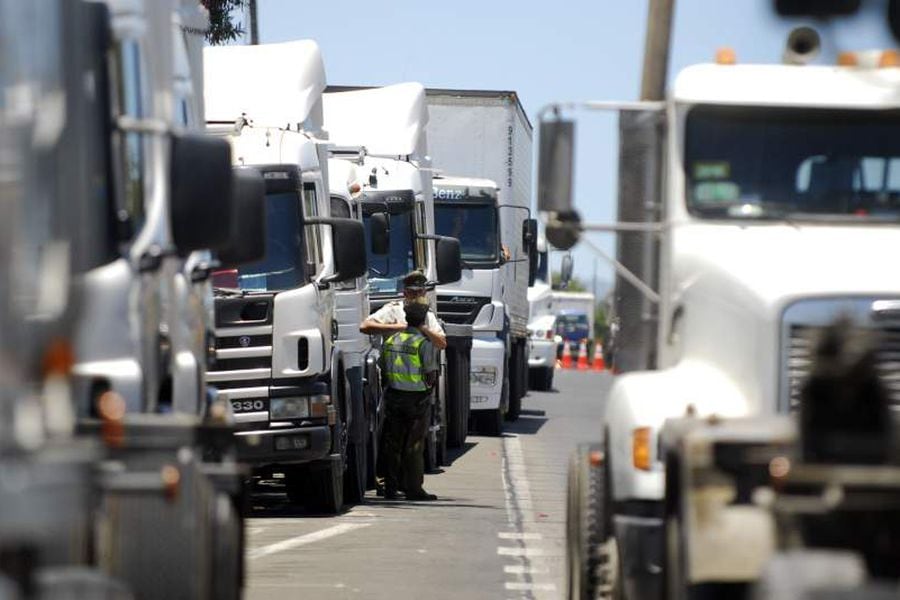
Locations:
{"points": [[403, 364]]}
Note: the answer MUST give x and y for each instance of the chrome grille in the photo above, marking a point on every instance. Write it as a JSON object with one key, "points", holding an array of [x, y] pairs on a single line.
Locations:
{"points": [[801, 347], [460, 310]]}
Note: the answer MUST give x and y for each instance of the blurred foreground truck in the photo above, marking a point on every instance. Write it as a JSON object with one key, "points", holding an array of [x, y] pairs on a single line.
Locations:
{"points": [[276, 360], [754, 204], [480, 143], [94, 122]]}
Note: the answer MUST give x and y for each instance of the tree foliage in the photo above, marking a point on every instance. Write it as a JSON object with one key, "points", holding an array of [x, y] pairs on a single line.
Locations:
{"points": [[222, 27], [574, 285]]}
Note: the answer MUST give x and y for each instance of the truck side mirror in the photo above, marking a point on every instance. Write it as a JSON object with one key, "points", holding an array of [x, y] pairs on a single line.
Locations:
{"points": [[201, 192], [533, 260], [348, 241], [529, 235], [565, 270], [449, 260], [248, 231], [380, 233], [555, 166]]}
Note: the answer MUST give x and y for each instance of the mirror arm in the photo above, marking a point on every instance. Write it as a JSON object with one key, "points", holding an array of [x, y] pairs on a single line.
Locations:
{"points": [[626, 273]]}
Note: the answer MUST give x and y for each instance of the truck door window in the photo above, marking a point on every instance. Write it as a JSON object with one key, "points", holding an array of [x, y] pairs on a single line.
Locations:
{"points": [[339, 207], [128, 146], [313, 235]]}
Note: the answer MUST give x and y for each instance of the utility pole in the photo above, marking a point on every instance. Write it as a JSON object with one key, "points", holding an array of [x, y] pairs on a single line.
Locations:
{"points": [[254, 27], [656, 49]]}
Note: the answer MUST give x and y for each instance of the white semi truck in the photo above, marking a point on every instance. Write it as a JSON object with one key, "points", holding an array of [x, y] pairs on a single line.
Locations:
{"points": [[763, 192], [480, 143], [541, 324], [276, 361], [381, 131]]}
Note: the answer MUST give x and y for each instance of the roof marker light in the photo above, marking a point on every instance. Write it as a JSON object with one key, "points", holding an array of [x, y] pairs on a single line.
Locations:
{"points": [[847, 59], [889, 58], [726, 56]]}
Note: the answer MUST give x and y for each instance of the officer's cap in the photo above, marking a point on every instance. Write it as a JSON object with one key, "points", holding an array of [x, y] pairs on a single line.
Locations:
{"points": [[415, 280]]}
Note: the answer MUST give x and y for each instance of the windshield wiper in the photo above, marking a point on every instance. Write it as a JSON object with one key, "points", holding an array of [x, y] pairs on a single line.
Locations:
{"points": [[228, 292]]}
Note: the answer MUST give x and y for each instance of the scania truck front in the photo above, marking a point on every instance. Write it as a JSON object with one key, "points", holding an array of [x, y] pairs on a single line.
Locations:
{"points": [[275, 357], [472, 135], [382, 132]]}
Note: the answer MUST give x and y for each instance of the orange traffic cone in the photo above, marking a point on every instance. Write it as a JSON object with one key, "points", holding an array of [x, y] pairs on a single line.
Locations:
{"points": [[566, 356], [599, 364], [582, 356]]}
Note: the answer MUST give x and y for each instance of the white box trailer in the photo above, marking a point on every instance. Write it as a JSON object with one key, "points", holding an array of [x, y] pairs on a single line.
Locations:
{"points": [[481, 148]]}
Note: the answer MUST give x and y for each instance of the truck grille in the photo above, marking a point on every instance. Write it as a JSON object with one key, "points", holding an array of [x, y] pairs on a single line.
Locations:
{"points": [[460, 310], [801, 347], [243, 342]]}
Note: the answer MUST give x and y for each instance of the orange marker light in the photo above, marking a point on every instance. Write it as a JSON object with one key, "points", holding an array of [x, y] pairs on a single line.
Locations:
{"points": [[847, 59], [726, 56], [889, 58], [640, 448]]}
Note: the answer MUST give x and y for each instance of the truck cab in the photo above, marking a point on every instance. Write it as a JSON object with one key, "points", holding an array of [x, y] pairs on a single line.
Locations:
{"points": [[777, 188], [467, 209], [276, 362]]}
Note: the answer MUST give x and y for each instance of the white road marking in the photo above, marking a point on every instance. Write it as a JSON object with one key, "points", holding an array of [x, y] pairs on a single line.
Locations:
{"points": [[303, 540], [523, 586], [520, 551], [514, 535], [526, 553], [523, 570]]}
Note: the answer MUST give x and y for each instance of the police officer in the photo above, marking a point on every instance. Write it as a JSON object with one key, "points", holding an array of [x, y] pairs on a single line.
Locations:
{"points": [[390, 319], [411, 370]]}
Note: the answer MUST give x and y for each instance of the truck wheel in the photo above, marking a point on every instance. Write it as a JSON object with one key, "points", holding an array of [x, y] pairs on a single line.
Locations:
{"points": [[591, 560], [372, 460], [326, 488], [514, 385], [355, 478], [458, 399]]}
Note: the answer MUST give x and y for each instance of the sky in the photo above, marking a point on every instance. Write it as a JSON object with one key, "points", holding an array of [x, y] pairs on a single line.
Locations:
{"points": [[546, 52]]}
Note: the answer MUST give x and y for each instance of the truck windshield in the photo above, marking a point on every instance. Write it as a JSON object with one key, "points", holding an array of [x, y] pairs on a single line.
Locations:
{"points": [[475, 226], [283, 266], [386, 271], [572, 327], [775, 163]]}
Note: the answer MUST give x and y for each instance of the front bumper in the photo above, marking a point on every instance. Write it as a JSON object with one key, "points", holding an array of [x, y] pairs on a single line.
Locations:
{"points": [[281, 445], [640, 542], [543, 354], [488, 353]]}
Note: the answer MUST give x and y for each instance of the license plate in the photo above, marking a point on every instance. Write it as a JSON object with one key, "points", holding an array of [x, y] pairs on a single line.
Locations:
{"points": [[250, 405], [479, 399]]}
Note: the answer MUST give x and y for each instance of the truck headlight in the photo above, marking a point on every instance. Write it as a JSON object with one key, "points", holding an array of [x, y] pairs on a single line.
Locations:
{"points": [[483, 375], [288, 408]]}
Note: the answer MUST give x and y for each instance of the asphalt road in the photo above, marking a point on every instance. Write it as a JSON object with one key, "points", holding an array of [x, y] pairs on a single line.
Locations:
{"points": [[497, 530]]}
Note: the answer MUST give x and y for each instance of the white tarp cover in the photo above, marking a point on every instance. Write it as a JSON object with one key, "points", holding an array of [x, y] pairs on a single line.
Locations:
{"points": [[274, 84], [387, 121]]}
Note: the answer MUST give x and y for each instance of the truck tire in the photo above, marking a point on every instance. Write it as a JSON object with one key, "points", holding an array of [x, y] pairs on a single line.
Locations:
{"points": [[542, 379], [356, 475], [458, 398], [516, 389], [591, 560], [326, 489]]}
